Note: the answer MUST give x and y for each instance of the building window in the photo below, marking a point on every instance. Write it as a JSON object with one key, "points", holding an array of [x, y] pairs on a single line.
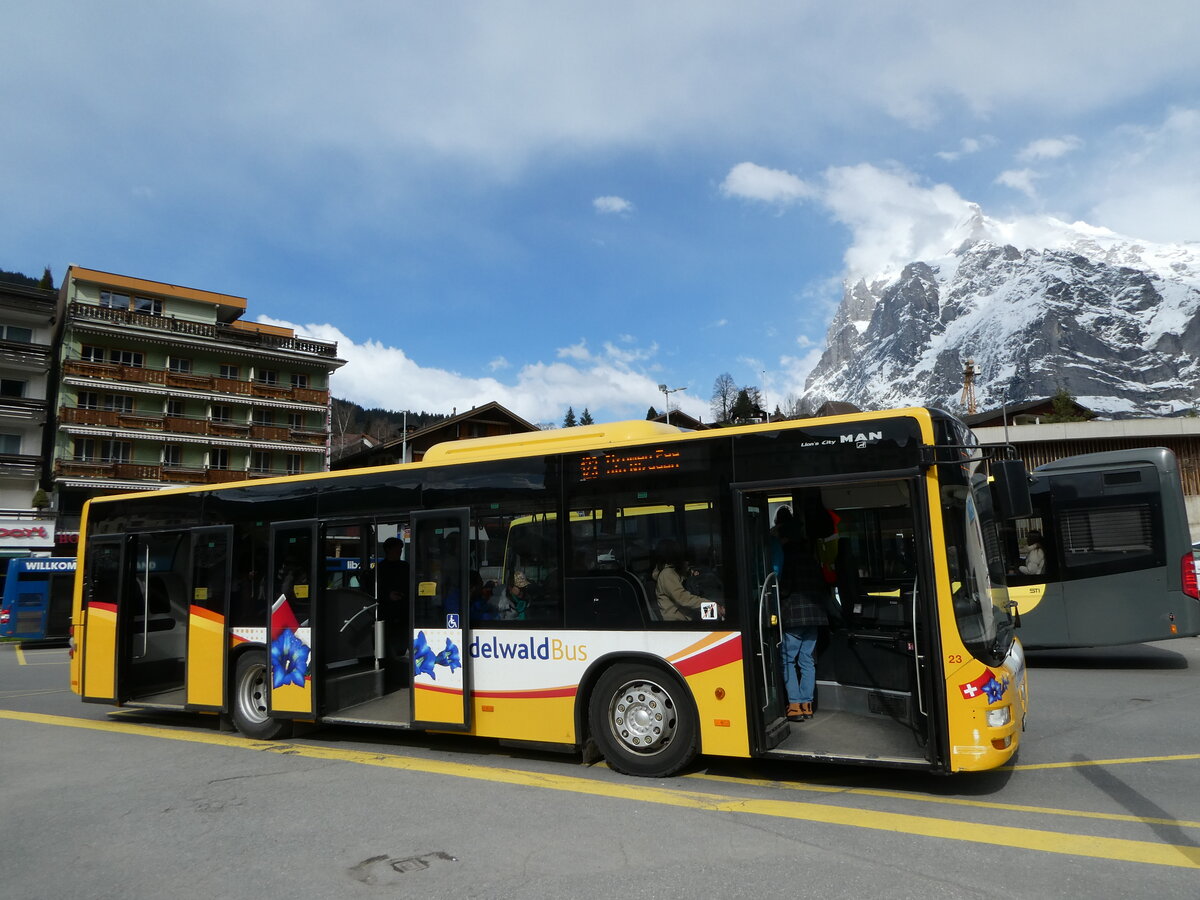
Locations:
{"points": [[10, 444], [222, 413], [131, 358], [174, 407], [16, 334], [116, 451], [90, 450], [218, 458], [267, 376], [299, 381], [148, 305], [182, 366], [113, 300], [262, 417], [295, 420], [260, 461], [111, 402], [172, 456], [11, 387], [295, 464], [89, 353], [227, 371]]}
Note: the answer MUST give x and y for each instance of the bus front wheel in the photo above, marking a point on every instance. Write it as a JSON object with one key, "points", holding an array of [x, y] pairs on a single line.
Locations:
{"points": [[251, 686], [643, 721]]}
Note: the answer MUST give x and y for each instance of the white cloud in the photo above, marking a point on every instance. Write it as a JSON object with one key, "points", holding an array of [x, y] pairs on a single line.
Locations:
{"points": [[966, 147], [575, 351], [1049, 148], [892, 217], [498, 363], [612, 205], [1149, 179], [750, 181], [610, 384], [1019, 180]]}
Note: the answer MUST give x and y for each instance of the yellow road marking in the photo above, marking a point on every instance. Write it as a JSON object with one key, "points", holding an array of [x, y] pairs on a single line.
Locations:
{"points": [[20, 655], [1099, 762], [947, 801], [969, 832]]}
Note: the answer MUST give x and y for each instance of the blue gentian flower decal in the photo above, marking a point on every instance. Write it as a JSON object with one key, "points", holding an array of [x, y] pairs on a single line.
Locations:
{"points": [[451, 657], [289, 659], [424, 658]]}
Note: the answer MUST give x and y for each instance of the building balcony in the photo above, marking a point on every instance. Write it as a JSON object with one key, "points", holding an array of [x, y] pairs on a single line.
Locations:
{"points": [[19, 465], [218, 331], [23, 356], [23, 408], [186, 425], [212, 384], [165, 474], [100, 469]]}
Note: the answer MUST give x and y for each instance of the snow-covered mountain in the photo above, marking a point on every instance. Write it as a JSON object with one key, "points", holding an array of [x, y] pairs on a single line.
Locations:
{"points": [[1038, 305]]}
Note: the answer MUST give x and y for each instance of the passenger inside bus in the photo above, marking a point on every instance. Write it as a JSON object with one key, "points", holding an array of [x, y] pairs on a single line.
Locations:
{"points": [[675, 601], [1035, 557], [392, 576]]}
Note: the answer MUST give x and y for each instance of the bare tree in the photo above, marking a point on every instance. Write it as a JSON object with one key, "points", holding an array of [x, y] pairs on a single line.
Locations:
{"points": [[725, 391]]}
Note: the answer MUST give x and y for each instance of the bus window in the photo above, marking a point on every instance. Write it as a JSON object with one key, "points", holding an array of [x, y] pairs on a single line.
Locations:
{"points": [[523, 582], [614, 548]]}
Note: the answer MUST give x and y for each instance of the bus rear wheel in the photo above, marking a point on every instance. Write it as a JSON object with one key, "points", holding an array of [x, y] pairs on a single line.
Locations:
{"points": [[643, 721], [251, 687]]}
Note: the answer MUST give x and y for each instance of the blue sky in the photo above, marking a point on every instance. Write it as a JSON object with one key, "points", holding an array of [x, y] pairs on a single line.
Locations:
{"points": [[570, 204]]}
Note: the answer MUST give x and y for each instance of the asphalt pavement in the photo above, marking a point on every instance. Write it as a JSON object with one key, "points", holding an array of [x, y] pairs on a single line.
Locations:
{"points": [[1103, 801]]}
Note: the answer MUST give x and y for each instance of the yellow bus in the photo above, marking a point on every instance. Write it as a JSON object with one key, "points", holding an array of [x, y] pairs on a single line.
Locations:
{"points": [[503, 587]]}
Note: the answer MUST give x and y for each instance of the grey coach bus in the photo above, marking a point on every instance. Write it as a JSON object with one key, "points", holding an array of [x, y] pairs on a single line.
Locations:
{"points": [[1116, 560]]}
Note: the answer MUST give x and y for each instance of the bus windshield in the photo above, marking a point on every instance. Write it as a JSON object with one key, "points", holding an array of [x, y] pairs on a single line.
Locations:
{"points": [[976, 569]]}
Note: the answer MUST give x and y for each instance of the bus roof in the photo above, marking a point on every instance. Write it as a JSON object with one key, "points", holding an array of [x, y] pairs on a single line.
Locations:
{"points": [[557, 440]]}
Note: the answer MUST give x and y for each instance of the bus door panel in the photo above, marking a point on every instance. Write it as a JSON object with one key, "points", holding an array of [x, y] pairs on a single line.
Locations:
{"points": [[208, 616], [292, 652], [153, 617], [761, 582], [102, 587], [439, 579]]}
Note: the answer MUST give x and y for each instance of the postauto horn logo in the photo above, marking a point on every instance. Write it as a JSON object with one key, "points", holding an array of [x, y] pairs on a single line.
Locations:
{"points": [[546, 648]]}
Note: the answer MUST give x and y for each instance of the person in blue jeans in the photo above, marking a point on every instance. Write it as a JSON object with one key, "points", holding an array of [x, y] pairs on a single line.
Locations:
{"points": [[801, 594]]}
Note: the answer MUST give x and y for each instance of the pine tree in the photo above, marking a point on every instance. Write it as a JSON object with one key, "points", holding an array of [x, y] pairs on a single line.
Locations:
{"points": [[47, 282], [651, 414], [569, 419], [586, 418]]}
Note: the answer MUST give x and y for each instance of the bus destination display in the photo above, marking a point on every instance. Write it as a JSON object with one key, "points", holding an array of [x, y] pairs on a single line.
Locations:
{"points": [[613, 465]]}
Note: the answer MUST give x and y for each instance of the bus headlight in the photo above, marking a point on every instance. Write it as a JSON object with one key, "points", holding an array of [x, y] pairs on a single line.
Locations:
{"points": [[998, 718]]}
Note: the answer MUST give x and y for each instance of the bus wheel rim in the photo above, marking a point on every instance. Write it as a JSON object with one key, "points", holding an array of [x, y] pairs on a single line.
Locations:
{"points": [[643, 717], [252, 694]]}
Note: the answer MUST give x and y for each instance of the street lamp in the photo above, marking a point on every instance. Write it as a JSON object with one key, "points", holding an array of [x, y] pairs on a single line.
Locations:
{"points": [[667, 392]]}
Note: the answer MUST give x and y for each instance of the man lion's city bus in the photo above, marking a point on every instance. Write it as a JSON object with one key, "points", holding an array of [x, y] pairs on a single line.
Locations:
{"points": [[522, 606], [1119, 567], [36, 604]]}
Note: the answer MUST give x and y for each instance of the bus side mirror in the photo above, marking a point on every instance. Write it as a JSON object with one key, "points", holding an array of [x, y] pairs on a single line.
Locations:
{"points": [[1010, 489]]}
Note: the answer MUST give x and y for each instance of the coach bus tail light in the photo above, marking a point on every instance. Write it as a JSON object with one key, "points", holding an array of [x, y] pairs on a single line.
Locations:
{"points": [[1190, 568]]}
